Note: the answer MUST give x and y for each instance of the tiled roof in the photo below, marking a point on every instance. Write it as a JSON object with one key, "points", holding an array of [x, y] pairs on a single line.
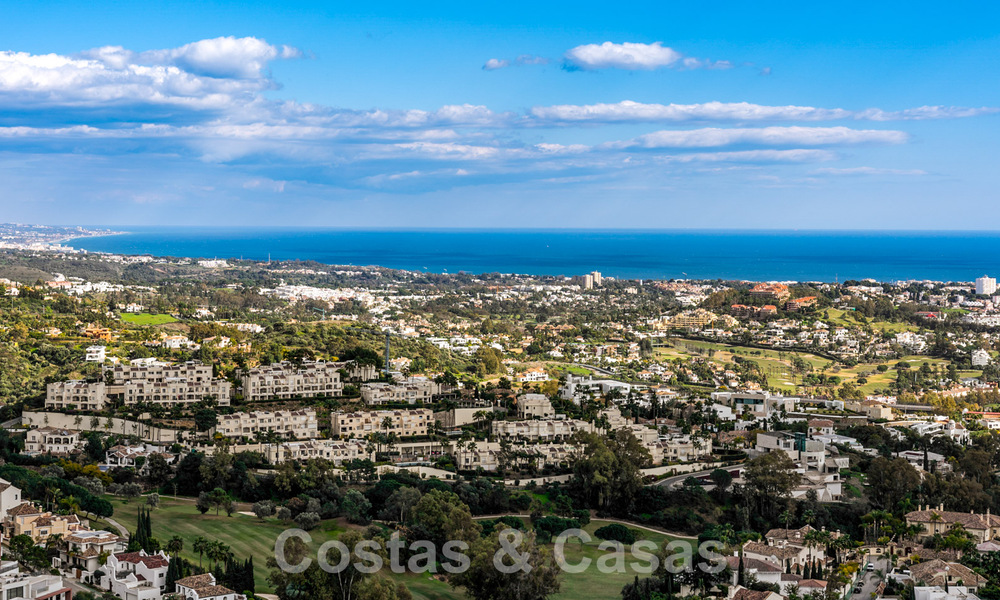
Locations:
{"points": [[933, 572], [195, 581], [25, 508], [765, 550], [967, 520], [212, 591], [745, 594]]}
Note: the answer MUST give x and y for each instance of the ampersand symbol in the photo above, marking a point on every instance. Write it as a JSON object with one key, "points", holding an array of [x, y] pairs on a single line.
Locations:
{"points": [[510, 541]]}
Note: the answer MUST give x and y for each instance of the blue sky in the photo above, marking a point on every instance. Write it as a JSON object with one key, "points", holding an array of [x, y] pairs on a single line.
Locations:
{"points": [[663, 115]]}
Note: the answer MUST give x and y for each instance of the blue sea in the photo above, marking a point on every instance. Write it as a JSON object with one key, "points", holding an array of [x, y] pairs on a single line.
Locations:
{"points": [[633, 254]]}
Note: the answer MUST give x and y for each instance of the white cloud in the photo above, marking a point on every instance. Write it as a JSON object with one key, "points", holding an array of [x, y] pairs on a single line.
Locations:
{"points": [[213, 74], [869, 171], [265, 184], [628, 55], [204, 103], [495, 63], [763, 136], [637, 112], [221, 57], [525, 59], [797, 155], [923, 113], [633, 56]]}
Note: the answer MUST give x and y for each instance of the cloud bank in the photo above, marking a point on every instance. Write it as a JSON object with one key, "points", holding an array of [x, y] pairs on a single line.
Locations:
{"points": [[205, 102]]}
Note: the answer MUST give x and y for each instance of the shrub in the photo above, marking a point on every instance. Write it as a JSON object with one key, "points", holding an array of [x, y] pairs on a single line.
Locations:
{"points": [[616, 532]]}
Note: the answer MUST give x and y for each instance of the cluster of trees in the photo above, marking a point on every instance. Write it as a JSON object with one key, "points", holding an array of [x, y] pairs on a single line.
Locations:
{"points": [[54, 490]]}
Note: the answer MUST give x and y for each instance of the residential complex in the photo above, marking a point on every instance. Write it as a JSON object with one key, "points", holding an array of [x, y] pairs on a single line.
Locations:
{"points": [[287, 380], [165, 384], [412, 390], [403, 423], [300, 424]]}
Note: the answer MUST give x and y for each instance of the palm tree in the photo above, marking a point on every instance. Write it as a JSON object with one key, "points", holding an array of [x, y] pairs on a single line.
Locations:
{"points": [[218, 552], [201, 546], [175, 546]]}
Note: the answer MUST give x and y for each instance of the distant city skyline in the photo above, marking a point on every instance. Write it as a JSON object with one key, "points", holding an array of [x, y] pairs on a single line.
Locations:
{"points": [[666, 116]]}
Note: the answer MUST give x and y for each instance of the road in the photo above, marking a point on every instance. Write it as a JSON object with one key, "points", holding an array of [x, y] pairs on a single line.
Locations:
{"points": [[604, 519], [122, 530], [676, 480], [870, 580]]}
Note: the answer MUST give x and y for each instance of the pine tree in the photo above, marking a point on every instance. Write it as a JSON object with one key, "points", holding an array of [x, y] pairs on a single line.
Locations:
{"points": [[173, 573], [133, 543], [249, 585]]}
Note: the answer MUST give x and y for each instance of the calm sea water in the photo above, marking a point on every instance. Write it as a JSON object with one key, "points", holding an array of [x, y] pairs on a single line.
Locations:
{"points": [[757, 255]]}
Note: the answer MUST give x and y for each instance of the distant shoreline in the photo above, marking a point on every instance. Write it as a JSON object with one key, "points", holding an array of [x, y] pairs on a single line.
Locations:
{"points": [[789, 256], [68, 241]]}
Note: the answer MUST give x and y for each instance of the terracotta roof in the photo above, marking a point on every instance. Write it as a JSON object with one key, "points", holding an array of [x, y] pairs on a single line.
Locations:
{"points": [[195, 581], [745, 594], [211, 591], [25, 508], [765, 550], [152, 561], [967, 520], [756, 564], [812, 583], [792, 535], [933, 573]]}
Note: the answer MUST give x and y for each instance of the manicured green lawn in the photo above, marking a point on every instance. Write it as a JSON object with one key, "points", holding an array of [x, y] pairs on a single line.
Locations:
{"points": [[249, 536], [147, 319], [591, 584], [245, 535]]}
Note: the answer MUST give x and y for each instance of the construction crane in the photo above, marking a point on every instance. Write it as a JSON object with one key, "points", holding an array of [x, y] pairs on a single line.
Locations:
{"points": [[387, 334]]}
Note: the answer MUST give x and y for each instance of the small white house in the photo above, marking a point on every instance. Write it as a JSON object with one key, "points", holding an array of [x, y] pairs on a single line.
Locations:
{"points": [[96, 354]]}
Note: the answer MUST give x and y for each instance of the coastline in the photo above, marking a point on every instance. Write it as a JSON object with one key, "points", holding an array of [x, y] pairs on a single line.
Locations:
{"points": [[780, 255], [68, 240]]}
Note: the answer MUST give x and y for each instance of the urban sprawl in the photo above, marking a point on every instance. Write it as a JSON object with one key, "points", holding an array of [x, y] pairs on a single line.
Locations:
{"points": [[166, 419]]}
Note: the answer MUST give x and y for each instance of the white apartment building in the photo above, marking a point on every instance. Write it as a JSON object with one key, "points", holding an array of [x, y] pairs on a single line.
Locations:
{"points": [[534, 406], [156, 382], [980, 358], [285, 380], [986, 286], [540, 430], [300, 424], [487, 456], [404, 423], [410, 391], [168, 383], [51, 440], [76, 394], [335, 451], [679, 448]]}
